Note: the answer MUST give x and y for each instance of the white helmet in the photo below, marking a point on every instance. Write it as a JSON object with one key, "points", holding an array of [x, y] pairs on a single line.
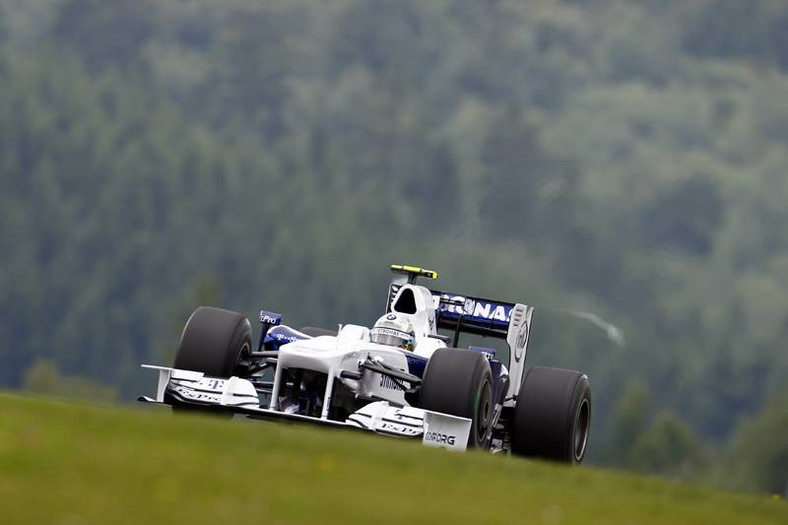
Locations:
{"points": [[393, 330]]}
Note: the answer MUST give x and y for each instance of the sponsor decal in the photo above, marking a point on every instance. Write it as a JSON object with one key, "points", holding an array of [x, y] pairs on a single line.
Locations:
{"points": [[216, 384], [391, 317], [390, 331], [489, 353], [188, 393], [282, 337], [400, 415], [399, 429], [479, 309], [490, 311], [269, 317], [387, 382], [437, 437], [522, 338]]}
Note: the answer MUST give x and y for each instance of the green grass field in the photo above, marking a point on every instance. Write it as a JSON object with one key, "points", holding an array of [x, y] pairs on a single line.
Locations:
{"points": [[77, 464]]}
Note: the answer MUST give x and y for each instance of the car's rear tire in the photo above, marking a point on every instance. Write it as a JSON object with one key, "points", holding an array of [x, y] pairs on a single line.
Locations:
{"points": [[213, 342], [552, 416], [459, 383]]}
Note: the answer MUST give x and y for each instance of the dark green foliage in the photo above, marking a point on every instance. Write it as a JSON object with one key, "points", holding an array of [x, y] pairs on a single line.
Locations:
{"points": [[668, 447], [756, 30], [525, 194], [660, 443], [759, 456], [106, 34], [44, 378], [684, 217], [628, 420]]}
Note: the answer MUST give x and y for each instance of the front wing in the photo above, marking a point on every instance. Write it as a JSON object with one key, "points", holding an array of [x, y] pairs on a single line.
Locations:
{"points": [[239, 396]]}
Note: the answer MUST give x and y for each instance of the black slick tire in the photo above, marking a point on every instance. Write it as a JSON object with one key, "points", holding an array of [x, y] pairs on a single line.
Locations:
{"points": [[459, 383], [552, 416], [213, 342]]}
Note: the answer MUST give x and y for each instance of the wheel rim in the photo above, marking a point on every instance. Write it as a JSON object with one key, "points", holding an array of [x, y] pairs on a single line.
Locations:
{"points": [[580, 437], [483, 412], [242, 363]]}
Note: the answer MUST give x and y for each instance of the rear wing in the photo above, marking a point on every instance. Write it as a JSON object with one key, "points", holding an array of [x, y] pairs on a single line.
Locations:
{"points": [[473, 315]]}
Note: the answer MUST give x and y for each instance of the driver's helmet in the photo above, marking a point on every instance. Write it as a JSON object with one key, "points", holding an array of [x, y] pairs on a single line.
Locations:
{"points": [[393, 330]]}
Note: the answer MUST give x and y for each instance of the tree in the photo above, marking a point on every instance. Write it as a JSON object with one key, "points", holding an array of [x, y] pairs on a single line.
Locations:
{"points": [[627, 421], [45, 378], [758, 457], [668, 447], [107, 34], [685, 216]]}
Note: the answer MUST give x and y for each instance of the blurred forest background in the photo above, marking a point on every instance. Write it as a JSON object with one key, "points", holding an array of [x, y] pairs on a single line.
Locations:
{"points": [[625, 157]]}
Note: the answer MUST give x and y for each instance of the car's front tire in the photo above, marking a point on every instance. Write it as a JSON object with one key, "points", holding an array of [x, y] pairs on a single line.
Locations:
{"points": [[459, 383], [213, 342], [552, 416]]}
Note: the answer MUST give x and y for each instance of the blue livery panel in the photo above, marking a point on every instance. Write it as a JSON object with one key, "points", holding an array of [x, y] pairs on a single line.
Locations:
{"points": [[281, 335], [478, 313], [270, 318], [474, 314], [416, 364]]}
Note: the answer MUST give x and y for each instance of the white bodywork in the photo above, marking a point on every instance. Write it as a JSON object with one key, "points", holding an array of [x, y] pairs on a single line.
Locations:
{"points": [[332, 355], [517, 338], [351, 346]]}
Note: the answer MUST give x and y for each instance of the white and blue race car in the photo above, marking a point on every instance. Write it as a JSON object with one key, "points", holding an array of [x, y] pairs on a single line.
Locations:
{"points": [[406, 376]]}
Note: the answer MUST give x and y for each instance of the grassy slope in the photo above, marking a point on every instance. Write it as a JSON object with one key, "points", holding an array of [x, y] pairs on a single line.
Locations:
{"points": [[65, 463]]}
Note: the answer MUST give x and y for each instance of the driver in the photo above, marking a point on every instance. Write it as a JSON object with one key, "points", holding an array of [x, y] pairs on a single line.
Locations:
{"points": [[394, 330]]}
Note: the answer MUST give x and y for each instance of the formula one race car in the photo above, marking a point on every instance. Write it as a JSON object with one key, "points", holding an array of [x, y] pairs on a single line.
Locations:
{"points": [[399, 378]]}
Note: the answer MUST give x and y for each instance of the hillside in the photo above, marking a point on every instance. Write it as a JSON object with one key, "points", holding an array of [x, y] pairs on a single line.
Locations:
{"points": [[69, 463]]}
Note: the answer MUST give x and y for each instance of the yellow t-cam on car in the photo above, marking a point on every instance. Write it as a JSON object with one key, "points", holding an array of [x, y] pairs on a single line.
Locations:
{"points": [[413, 272]]}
